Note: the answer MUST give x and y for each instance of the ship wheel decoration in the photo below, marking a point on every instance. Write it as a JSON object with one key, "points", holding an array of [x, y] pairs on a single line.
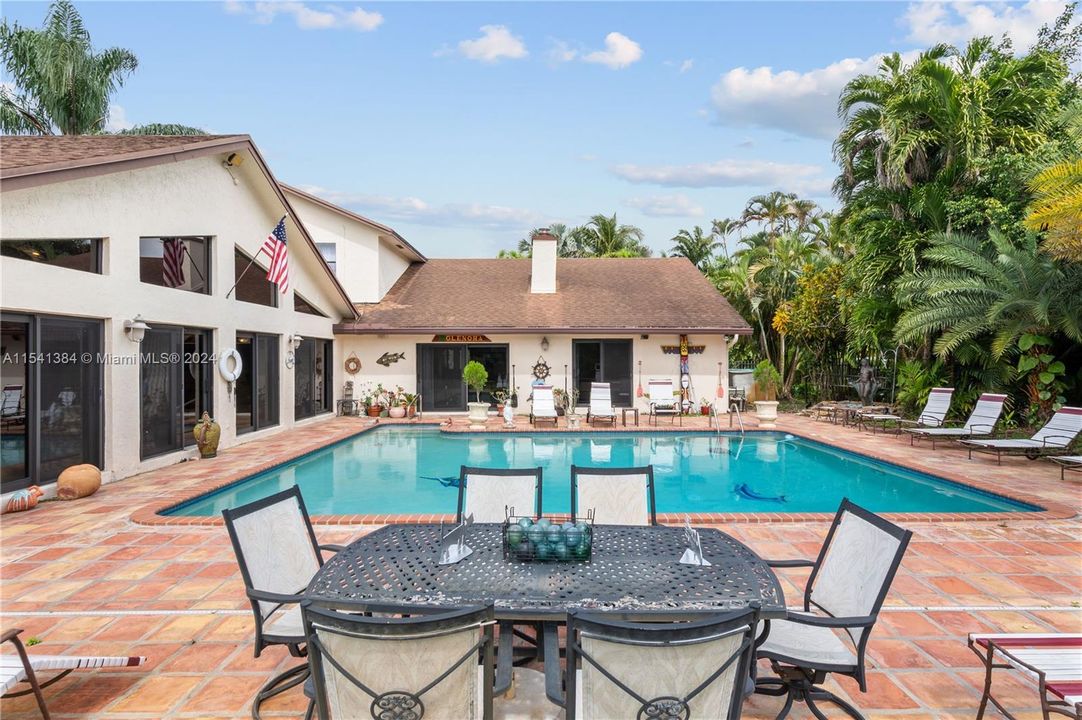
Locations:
{"points": [[541, 369]]}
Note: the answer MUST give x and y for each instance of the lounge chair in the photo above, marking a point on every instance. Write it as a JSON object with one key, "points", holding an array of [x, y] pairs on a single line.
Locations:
{"points": [[424, 665], [1053, 659], [543, 406], [11, 405], [486, 493], [634, 669], [847, 586], [662, 400], [1057, 434], [23, 667], [935, 411], [1068, 462], [982, 421], [618, 496], [601, 404], [278, 555]]}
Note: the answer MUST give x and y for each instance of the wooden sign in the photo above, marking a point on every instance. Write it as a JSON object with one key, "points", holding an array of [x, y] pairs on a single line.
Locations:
{"points": [[461, 338], [675, 349]]}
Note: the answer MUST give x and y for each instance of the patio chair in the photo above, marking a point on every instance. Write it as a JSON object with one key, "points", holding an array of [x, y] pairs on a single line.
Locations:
{"points": [[1067, 462], [933, 414], [278, 555], [657, 669], [487, 493], [601, 404], [848, 583], [1053, 659], [11, 405], [543, 408], [982, 421], [662, 400], [1056, 436], [424, 665], [23, 667], [618, 496]]}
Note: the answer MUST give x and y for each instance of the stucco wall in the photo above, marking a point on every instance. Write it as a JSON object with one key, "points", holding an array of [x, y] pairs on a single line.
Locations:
{"points": [[524, 351], [193, 197]]}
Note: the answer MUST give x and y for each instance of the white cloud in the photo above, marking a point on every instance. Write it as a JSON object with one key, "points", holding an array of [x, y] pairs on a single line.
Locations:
{"points": [[117, 119], [307, 17], [415, 210], [720, 173], [620, 51], [496, 42], [686, 65], [938, 22], [561, 52], [666, 206], [804, 103]]}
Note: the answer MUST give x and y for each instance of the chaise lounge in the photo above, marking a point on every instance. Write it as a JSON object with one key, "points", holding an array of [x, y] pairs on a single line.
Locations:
{"points": [[544, 405], [982, 421], [1056, 436], [935, 411]]}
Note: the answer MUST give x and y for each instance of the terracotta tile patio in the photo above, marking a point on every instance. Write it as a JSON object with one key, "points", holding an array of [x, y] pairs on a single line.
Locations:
{"points": [[84, 578]]}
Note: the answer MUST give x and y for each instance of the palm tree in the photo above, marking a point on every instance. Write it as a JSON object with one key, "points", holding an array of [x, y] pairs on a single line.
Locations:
{"points": [[695, 246], [1013, 294], [723, 228], [61, 83], [1057, 195], [604, 236]]}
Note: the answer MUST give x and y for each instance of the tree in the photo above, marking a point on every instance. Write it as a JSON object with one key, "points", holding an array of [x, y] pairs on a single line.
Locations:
{"points": [[162, 129], [604, 236], [61, 83], [1057, 196], [566, 242], [695, 246], [1014, 296]]}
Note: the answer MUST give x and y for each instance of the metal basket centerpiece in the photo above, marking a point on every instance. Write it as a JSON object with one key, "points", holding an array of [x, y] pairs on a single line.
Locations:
{"points": [[553, 538]]}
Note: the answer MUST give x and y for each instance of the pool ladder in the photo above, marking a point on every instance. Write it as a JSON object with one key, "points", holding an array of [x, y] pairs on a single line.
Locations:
{"points": [[734, 409]]}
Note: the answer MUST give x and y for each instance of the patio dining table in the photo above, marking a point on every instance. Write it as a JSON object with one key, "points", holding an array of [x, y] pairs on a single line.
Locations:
{"points": [[632, 570]]}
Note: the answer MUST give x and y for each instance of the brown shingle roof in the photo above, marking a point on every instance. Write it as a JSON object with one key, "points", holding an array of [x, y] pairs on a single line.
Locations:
{"points": [[597, 294], [20, 154]]}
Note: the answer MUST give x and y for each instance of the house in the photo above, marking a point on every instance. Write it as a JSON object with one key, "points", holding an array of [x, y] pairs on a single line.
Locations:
{"points": [[132, 281]]}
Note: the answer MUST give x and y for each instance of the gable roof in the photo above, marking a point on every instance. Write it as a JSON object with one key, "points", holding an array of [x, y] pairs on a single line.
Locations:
{"points": [[596, 294], [407, 249], [31, 160]]}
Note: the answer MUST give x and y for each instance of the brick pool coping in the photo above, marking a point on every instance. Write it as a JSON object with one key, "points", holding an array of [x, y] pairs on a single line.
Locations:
{"points": [[150, 514]]}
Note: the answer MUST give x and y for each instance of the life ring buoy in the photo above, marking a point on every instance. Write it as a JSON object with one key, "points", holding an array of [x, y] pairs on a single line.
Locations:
{"points": [[223, 365], [353, 365]]}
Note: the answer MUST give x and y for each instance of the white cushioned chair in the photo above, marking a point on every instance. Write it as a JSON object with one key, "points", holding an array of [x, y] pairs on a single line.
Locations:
{"points": [[618, 496]]}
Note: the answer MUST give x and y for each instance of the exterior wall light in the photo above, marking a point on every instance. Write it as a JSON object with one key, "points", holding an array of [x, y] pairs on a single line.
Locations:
{"points": [[295, 341], [545, 344], [136, 329]]}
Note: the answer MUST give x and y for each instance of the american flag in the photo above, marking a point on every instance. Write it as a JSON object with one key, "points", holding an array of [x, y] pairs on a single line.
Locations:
{"points": [[275, 247], [173, 262]]}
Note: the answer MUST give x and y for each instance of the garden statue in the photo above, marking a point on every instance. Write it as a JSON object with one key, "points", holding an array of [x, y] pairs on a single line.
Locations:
{"points": [[866, 384], [508, 416], [207, 434]]}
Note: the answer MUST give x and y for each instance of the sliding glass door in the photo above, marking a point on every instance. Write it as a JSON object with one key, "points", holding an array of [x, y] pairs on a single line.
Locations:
{"points": [[603, 361], [312, 378], [175, 381], [257, 387], [52, 397]]}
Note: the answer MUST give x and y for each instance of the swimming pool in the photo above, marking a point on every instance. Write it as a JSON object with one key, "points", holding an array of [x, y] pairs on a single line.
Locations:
{"points": [[413, 470]]}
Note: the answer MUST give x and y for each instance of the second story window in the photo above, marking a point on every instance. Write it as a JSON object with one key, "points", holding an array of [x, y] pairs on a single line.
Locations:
{"points": [[75, 254], [329, 252], [251, 281], [176, 262]]}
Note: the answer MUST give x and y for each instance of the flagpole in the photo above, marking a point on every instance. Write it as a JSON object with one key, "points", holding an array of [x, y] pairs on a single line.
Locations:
{"points": [[245, 271]]}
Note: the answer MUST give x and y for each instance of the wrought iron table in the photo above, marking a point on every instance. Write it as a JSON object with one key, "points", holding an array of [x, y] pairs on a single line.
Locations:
{"points": [[632, 569]]}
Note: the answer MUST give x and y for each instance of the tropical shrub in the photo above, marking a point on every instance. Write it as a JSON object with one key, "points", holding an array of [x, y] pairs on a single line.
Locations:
{"points": [[915, 383], [767, 379], [475, 375]]}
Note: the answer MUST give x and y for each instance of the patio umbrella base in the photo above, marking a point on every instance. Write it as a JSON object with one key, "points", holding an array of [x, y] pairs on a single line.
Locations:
{"points": [[795, 685], [292, 677]]}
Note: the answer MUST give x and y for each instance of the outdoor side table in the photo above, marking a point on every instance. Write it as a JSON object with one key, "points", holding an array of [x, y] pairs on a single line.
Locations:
{"points": [[624, 413]]}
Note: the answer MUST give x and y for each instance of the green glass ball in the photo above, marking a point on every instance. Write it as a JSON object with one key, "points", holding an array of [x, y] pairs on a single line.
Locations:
{"points": [[524, 549], [572, 536], [582, 550], [553, 534], [561, 551], [543, 522], [525, 522], [543, 551], [536, 534], [515, 535]]}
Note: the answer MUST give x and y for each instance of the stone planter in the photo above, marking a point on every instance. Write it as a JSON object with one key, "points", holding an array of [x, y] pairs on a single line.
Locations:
{"points": [[478, 414], [397, 412], [767, 412]]}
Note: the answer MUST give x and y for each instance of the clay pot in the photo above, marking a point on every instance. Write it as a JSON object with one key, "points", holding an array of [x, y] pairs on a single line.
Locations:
{"points": [[374, 410], [207, 436], [78, 481], [24, 499], [397, 412]]}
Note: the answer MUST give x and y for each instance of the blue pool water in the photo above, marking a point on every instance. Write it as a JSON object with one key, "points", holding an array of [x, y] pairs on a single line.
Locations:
{"points": [[407, 470]]}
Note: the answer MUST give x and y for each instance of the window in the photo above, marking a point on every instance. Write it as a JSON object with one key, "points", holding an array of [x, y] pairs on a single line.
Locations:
{"points": [[51, 414], [257, 387], [303, 306], [312, 378], [176, 378], [329, 251], [603, 361], [176, 262], [251, 281], [75, 254]]}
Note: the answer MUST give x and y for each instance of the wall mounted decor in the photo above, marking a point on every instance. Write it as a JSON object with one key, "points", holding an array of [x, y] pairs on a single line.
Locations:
{"points": [[388, 359]]}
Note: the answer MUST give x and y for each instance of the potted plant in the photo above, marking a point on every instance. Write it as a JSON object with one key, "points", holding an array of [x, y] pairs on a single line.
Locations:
{"points": [[500, 395], [767, 380], [475, 376], [397, 403], [571, 399], [559, 399], [705, 406], [409, 401]]}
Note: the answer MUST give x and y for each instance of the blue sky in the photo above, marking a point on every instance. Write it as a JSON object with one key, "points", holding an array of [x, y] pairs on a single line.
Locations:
{"points": [[463, 125]]}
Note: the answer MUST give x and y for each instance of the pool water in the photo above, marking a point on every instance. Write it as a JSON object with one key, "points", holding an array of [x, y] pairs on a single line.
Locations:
{"points": [[414, 470]]}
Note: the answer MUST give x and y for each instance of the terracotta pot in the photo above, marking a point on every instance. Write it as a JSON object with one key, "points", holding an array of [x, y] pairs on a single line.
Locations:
{"points": [[78, 481], [704, 411], [374, 410], [499, 409], [411, 411]]}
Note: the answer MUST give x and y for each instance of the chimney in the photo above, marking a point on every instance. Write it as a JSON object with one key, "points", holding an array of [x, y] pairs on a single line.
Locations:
{"points": [[543, 270]]}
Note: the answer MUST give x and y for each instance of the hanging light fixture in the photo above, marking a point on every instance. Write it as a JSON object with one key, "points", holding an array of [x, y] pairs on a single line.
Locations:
{"points": [[136, 329], [545, 344]]}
